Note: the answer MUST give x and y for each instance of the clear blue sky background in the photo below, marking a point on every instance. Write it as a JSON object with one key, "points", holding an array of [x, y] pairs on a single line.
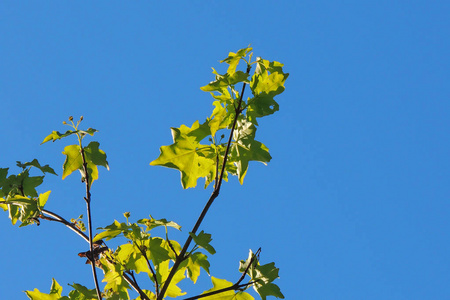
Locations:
{"points": [[355, 203]]}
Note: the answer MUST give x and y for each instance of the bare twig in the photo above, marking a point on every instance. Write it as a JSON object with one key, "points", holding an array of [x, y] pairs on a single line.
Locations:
{"points": [[181, 257]]}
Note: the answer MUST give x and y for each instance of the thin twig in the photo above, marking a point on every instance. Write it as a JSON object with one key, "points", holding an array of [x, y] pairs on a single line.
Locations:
{"points": [[151, 270], [213, 196], [234, 287]]}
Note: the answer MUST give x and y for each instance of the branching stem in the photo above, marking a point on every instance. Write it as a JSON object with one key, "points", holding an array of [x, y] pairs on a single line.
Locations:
{"points": [[56, 218], [181, 257]]}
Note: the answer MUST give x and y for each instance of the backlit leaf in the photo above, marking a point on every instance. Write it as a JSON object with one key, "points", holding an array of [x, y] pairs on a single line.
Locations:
{"points": [[35, 163], [163, 271], [247, 148], [219, 284], [55, 293], [202, 240], [187, 155]]}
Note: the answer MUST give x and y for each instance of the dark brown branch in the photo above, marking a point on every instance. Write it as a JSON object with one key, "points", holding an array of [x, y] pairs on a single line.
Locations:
{"points": [[213, 196], [88, 206], [56, 218]]}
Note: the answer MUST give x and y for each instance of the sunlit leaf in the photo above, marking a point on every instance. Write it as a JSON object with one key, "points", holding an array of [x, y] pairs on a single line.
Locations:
{"points": [[234, 58], [187, 155], [93, 155], [43, 199], [219, 284], [193, 264], [55, 293], [73, 160], [163, 271]]}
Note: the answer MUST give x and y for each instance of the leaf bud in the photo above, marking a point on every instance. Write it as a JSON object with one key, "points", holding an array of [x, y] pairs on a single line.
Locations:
{"points": [[64, 122], [126, 214], [81, 118], [70, 118]]}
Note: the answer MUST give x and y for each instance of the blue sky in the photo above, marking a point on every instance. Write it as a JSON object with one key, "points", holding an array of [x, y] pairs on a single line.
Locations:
{"points": [[355, 202]]}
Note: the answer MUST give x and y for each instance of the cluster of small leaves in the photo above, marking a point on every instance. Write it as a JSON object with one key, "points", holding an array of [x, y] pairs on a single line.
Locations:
{"points": [[93, 155], [18, 193], [196, 160]]}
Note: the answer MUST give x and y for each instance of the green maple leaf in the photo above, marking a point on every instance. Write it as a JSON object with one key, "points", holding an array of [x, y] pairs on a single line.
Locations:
{"points": [[193, 264], [29, 184], [93, 155], [233, 59], [220, 118], [246, 148], [162, 272], [219, 284], [55, 293], [263, 275], [202, 240], [156, 250], [224, 81], [35, 163], [82, 293], [114, 279], [187, 155], [267, 82]]}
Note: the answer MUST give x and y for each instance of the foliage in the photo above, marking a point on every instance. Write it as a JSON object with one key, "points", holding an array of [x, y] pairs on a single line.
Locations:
{"points": [[198, 151]]}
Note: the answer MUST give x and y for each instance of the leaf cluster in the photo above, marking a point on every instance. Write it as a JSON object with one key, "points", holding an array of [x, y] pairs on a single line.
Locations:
{"points": [[232, 111]]}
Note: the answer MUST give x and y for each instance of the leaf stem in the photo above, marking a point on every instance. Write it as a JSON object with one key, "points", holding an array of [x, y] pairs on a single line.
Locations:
{"points": [[143, 252], [181, 257]]}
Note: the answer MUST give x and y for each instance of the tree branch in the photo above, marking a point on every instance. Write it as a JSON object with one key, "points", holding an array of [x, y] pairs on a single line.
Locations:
{"points": [[56, 218], [213, 196], [88, 205]]}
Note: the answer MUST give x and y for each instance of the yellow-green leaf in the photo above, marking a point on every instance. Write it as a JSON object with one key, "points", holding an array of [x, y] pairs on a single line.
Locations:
{"points": [[55, 293]]}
